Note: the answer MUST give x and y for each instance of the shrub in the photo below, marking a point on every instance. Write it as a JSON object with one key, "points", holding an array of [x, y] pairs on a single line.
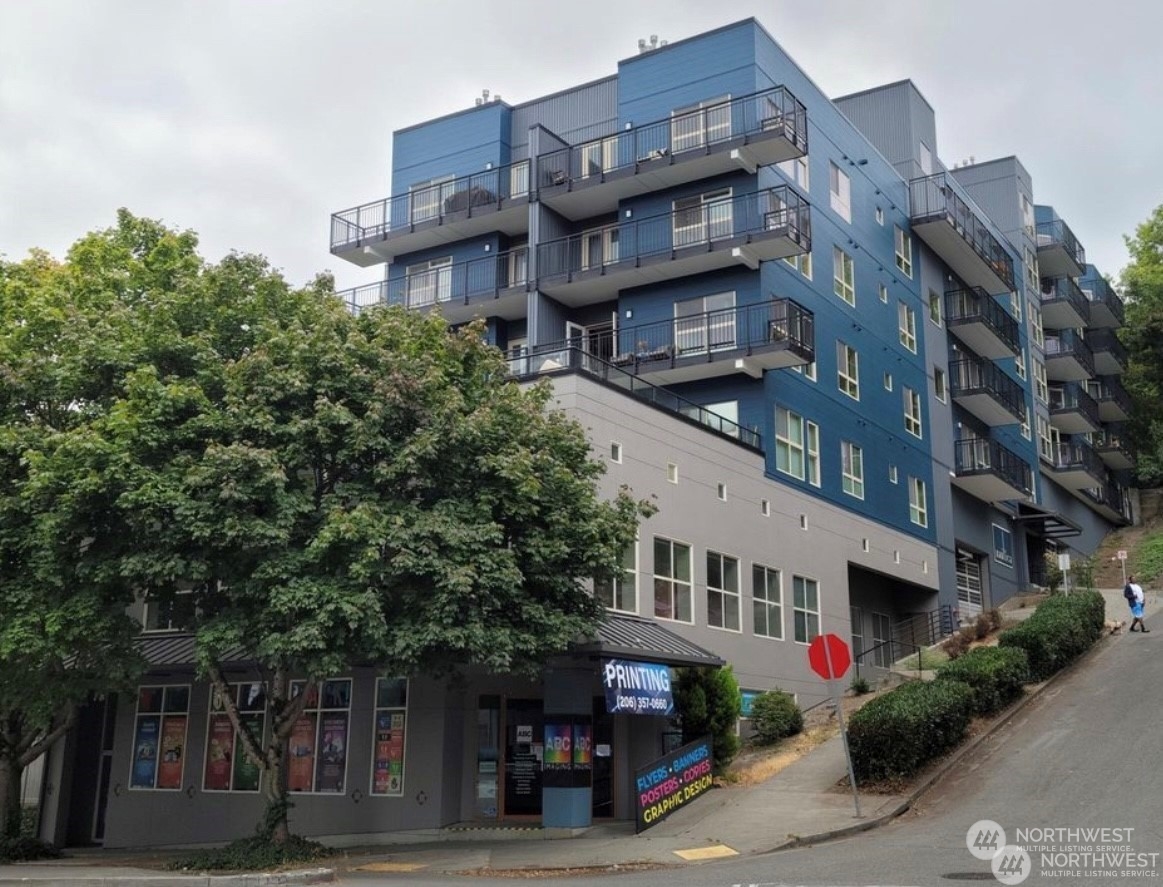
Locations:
{"points": [[995, 674], [981, 626], [896, 734], [860, 685], [775, 715], [1059, 631], [250, 854], [955, 645], [708, 701], [25, 849]]}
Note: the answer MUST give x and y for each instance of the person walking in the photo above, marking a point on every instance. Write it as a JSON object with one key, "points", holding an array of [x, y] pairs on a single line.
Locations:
{"points": [[1134, 595]]}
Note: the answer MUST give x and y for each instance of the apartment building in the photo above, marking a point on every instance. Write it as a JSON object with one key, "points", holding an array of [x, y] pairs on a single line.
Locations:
{"points": [[868, 391]]}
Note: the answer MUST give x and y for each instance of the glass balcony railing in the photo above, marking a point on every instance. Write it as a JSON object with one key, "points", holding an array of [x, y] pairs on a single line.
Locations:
{"points": [[1106, 342], [1068, 344], [1063, 293], [769, 112], [1057, 234], [1105, 303]]}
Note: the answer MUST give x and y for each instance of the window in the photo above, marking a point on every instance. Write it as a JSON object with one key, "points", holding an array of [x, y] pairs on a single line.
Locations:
{"points": [[671, 472], [388, 740], [808, 370], [925, 157], [880, 215], [319, 739], [848, 370], [428, 197], [912, 412], [599, 156], [227, 768], [840, 192], [1027, 215], [805, 608], [802, 262], [701, 124], [1020, 364], [888, 381], [797, 171], [721, 492], [173, 614], [882, 292], [1041, 388], [843, 276], [892, 478], [789, 442], [158, 754], [1003, 546], [722, 591], [881, 636], [968, 579], [1016, 305], [856, 620], [904, 251], [672, 580], [803, 521], [620, 592], [1045, 443], [812, 433], [765, 507], [703, 217], [599, 248], [1036, 326], [907, 321], [935, 307], [615, 452], [939, 383], [766, 602], [852, 469], [1030, 263], [1025, 429], [722, 416], [918, 508], [706, 323], [428, 282]]}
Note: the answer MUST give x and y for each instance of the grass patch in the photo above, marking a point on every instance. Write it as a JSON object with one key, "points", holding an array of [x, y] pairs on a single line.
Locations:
{"points": [[1149, 558], [252, 854], [930, 659]]}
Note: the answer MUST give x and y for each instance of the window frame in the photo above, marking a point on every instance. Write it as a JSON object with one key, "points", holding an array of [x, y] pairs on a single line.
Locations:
{"points": [[936, 308], [914, 416], [940, 384], [1003, 554], [785, 443], [843, 276], [377, 742], [139, 748], [848, 369], [213, 713], [852, 469], [674, 581], [807, 612], [907, 326], [724, 593], [839, 192], [618, 584], [320, 710], [918, 502], [764, 604], [903, 244]]}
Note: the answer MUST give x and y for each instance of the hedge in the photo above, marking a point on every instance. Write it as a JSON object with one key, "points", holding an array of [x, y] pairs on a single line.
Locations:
{"points": [[1058, 632], [896, 734], [774, 715], [996, 675]]}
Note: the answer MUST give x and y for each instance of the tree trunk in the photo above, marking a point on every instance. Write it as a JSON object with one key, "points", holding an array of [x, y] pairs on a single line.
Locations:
{"points": [[10, 772], [278, 802]]}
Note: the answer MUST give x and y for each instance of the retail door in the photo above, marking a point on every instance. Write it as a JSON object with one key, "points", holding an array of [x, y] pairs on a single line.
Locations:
{"points": [[603, 760], [524, 748]]}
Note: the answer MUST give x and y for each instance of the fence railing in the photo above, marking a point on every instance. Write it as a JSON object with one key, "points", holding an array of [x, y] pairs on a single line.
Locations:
{"points": [[977, 455], [769, 111], [975, 305], [1073, 397], [970, 375]]}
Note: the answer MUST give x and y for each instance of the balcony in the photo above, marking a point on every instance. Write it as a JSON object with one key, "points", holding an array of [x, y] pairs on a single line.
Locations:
{"points": [[978, 319], [1114, 403], [493, 200], [1064, 305], [495, 286], [1059, 252], [564, 357], [744, 133], [1072, 410], [744, 339], [1110, 355], [1114, 449], [985, 391], [958, 234], [1076, 466], [1110, 500], [989, 471], [745, 229], [1106, 308], [1068, 359]]}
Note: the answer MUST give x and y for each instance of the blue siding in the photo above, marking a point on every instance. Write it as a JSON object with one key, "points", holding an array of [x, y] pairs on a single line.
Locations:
{"points": [[459, 145]]}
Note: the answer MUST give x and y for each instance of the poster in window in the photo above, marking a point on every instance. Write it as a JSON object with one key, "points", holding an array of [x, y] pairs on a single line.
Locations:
{"points": [[145, 745], [332, 758], [583, 746], [219, 754], [246, 773], [173, 750], [388, 773], [301, 768]]}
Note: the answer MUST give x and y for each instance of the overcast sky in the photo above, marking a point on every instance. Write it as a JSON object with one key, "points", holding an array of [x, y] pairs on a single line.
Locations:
{"points": [[251, 121]]}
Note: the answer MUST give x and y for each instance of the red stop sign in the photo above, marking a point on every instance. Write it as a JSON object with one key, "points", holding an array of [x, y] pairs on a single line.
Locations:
{"points": [[829, 656]]}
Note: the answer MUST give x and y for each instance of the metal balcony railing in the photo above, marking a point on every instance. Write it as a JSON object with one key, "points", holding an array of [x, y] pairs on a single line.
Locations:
{"points": [[933, 197], [1108, 341], [1064, 289], [1111, 495], [1099, 292], [971, 375], [1109, 388], [977, 455], [564, 357], [768, 111], [1077, 454], [1072, 397], [458, 283], [471, 194], [975, 305], [1057, 233], [1112, 437], [775, 211], [1067, 343]]}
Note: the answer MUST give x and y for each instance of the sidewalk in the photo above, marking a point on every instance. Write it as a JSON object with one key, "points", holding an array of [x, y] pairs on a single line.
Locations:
{"points": [[800, 805]]}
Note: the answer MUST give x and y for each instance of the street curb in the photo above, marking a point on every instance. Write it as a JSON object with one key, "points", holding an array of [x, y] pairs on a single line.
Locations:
{"points": [[945, 766], [275, 879]]}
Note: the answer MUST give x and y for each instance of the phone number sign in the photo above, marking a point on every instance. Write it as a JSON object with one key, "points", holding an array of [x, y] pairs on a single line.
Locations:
{"points": [[637, 688]]}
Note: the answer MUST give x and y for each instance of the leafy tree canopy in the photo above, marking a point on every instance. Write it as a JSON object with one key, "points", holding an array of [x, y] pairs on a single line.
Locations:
{"points": [[1142, 285]]}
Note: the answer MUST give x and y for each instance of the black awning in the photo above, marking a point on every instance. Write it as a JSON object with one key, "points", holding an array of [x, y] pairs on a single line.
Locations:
{"points": [[1046, 523], [629, 637], [176, 650]]}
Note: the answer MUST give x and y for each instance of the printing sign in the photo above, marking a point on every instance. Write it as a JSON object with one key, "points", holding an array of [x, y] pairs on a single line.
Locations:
{"points": [[672, 781], [637, 688]]}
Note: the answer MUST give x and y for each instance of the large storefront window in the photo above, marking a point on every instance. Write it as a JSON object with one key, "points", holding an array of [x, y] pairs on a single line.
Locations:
{"points": [[159, 737], [319, 739], [388, 742], [228, 769]]}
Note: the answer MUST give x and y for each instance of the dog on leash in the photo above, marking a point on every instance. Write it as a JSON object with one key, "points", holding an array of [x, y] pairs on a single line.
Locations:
{"points": [[1114, 627]]}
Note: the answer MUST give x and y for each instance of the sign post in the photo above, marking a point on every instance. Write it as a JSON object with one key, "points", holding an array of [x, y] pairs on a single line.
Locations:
{"points": [[1122, 556], [829, 657]]}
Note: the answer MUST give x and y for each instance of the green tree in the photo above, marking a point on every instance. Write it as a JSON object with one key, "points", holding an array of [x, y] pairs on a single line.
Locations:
{"points": [[1142, 286], [708, 703], [335, 490]]}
